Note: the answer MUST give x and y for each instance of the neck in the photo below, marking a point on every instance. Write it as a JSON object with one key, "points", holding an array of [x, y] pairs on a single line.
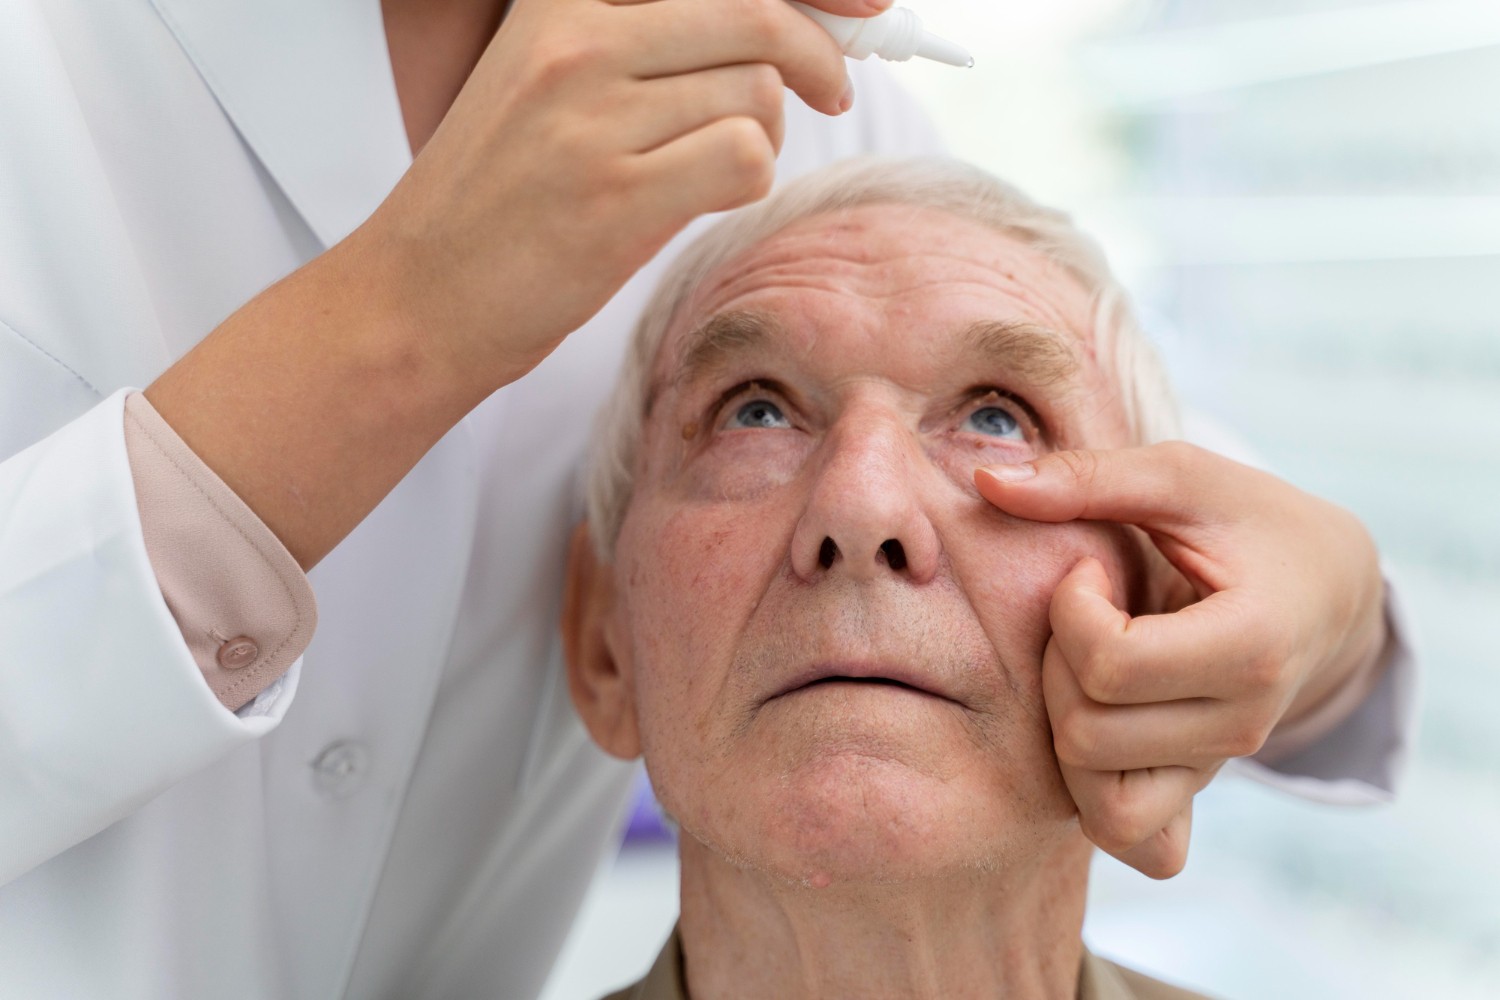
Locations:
{"points": [[1009, 933]]}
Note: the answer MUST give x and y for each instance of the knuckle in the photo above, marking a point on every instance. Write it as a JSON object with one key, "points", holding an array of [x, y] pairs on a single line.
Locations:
{"points": [[1108, 833], [765, 21], [1074, 741], [1083, 466], [1102, 674], [562, 57], [1166, 864], [1180, 456], [1122, 822], [1266, 673], [764, 89], [1244, 741], [750, 160]]}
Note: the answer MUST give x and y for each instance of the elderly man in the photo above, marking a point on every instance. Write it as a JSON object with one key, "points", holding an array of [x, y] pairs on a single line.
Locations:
{"points": [[793, 600]]}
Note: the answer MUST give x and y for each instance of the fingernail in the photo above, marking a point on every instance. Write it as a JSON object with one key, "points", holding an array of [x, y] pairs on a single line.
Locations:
{"points": [[847, 101], [878, 5], [1012, 473]]}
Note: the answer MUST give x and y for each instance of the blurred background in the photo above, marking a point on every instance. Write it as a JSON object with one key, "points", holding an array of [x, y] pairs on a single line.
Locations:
{"points": [[1304, 196]]}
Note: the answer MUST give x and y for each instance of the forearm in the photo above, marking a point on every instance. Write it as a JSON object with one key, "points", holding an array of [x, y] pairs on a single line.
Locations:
{"points": [[313, 400]]}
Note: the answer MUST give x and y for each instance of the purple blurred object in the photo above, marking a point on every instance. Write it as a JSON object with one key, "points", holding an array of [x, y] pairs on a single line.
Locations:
{"points": [[648, 824]]}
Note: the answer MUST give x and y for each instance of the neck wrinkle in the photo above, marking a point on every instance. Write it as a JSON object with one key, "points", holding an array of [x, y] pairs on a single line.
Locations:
{"points": [[986, 935]]}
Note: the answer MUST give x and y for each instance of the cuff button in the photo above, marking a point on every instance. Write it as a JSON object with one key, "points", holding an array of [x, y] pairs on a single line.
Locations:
{"points": [[237, 653]]}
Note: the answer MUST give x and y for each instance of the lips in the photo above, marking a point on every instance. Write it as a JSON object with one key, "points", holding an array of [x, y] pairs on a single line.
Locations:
{"points": [[891, 675]]}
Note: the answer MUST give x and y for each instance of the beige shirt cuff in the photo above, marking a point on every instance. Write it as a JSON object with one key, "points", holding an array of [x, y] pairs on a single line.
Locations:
{"points": [[244, 606]]}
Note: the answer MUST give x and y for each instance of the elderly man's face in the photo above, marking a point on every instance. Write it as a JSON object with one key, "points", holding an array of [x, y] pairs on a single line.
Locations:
{"points": [[828, 644]]}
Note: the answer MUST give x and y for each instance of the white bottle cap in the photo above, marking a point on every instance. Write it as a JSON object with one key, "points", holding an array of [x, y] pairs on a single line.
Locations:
{"points": [[896, 35]]}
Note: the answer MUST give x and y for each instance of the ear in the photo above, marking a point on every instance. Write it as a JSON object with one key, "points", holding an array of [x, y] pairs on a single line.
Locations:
{"points": [[599, 676]]}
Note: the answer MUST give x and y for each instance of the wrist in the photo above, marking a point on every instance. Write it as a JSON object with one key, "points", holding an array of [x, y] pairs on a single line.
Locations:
{"points": [[1315, 713]]}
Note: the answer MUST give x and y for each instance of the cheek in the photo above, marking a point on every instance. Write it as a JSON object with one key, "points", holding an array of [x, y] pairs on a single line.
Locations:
{"points": [[692, 576], [1010, 568], [958, 457], [743, 466]]}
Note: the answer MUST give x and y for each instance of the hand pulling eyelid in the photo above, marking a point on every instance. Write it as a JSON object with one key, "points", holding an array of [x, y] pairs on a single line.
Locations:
{"points": [[896, 35]]}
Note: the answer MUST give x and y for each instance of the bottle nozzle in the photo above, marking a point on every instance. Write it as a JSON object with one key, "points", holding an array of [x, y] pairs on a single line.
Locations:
{"points": [[943, 51]]}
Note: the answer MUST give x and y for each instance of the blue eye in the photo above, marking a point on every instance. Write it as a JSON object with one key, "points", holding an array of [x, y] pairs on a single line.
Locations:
{"points": [[995, 422], [759, 413]]}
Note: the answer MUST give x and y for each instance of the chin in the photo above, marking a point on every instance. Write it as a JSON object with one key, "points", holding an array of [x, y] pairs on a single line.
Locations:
{"points": [[854, 819]]}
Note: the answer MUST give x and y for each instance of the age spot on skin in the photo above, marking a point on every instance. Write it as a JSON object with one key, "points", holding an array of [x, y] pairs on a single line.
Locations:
{"points": [[689, 430]]}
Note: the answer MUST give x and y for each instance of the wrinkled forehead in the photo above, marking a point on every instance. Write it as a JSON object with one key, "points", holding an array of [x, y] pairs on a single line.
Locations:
{"points": [[898, 267]]}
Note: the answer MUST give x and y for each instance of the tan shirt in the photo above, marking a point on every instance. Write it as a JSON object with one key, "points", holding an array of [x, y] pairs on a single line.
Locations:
{"points": [[1098, 979]]}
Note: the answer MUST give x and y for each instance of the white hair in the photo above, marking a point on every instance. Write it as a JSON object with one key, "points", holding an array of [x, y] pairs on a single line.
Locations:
{"points": [[1122, 351]]}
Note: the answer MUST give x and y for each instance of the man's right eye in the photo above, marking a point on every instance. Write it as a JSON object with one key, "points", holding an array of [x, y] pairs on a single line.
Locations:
{"points": [[761, 413]]}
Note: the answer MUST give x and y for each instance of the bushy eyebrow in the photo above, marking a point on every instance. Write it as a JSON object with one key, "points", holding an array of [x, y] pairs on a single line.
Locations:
{"points": [[1033, 354], [714, 343], [721, 338], [1030, 353]]}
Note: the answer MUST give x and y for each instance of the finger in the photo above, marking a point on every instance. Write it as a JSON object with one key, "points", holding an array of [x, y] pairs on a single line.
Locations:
{"points": [[843, 8], [1161, 487], [1120, 810], [1164, 853], [670, 107], [1195, 733], [1215, 648], [723, 165], [674, 37], [851, 8]]}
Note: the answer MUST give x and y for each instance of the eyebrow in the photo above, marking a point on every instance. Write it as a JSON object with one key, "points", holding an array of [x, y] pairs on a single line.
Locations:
{"points": [[1034, 354], [1028, 352], [721, 338], [714, 343]]}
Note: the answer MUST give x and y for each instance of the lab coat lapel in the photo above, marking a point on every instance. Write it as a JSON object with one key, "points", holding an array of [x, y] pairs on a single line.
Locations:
{"points": [[308, 86]]}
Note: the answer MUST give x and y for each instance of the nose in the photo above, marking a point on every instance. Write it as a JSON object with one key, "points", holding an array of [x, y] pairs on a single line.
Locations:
{"points": [[865, 517]]}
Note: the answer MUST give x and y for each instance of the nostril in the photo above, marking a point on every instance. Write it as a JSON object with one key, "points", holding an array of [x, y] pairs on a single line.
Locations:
{"points": [[895, 555], [827, 553]]}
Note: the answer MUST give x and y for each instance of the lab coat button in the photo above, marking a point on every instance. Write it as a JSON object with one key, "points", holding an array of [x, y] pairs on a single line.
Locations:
{"points": [[237, 653], [339, 770]]}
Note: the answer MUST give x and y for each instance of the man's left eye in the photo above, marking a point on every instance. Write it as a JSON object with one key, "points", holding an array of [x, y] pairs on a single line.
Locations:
{"points": [[759, 413], [994, 422]]}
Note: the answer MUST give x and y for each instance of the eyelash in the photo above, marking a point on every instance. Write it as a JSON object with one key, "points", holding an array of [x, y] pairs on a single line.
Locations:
{"points": [[741, 392], [988, 395], [976, 398]]}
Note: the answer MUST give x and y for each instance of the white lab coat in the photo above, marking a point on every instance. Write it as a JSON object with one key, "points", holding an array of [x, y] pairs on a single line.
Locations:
{"points": [[425, 818]]}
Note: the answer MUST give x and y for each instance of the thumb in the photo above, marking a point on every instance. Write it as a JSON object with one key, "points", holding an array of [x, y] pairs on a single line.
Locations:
{"points": [[1161, 488]]}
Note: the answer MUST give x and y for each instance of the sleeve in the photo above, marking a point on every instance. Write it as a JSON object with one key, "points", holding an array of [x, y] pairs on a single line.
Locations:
{"points": [[243, 605], [102, 703]]}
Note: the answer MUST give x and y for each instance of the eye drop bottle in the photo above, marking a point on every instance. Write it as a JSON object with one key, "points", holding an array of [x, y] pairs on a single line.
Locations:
{"points": [[896, 35]]}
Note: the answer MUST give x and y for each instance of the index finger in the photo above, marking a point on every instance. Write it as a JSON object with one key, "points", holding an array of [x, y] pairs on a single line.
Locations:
{"points": [[843, 8], [1160, 487], [851, 8]]}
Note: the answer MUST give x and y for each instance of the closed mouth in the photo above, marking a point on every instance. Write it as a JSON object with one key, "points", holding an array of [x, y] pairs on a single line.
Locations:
{"points": [[841, 679], [819, 677]]}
